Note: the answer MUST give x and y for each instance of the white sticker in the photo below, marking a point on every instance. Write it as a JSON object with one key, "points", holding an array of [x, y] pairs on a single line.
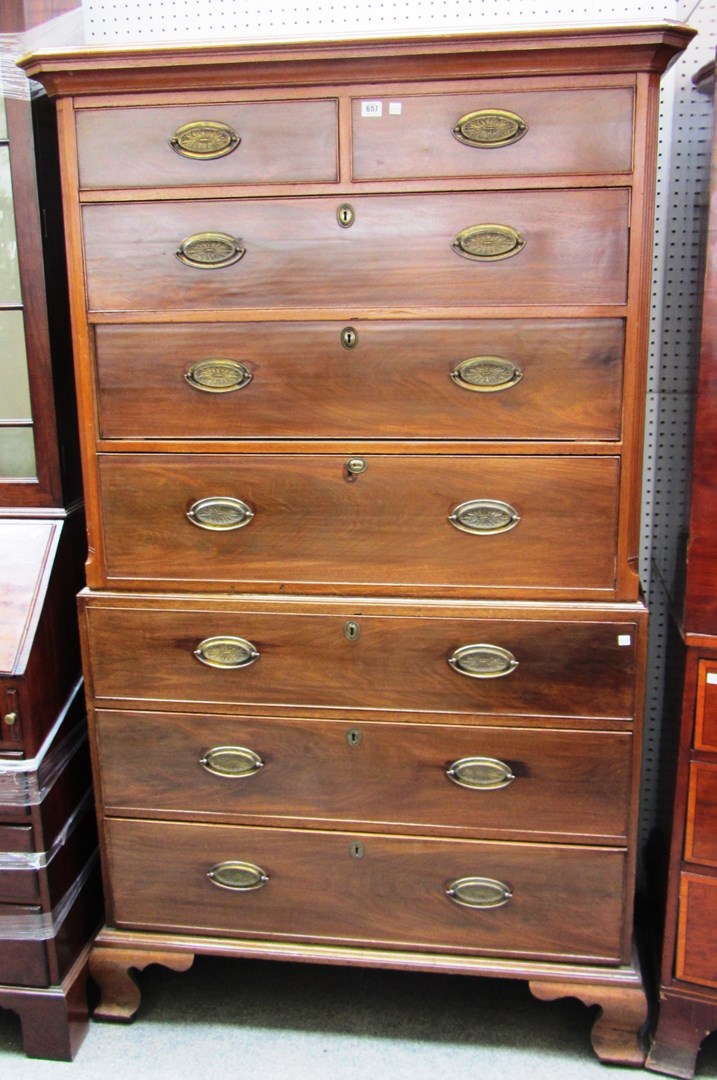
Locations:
{"points": [[394, 108], [712, 676], [624, 639], [371, 108]]}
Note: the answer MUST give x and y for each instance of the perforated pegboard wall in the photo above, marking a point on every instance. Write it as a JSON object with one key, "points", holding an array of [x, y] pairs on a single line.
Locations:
{"points": [[683, 168]]}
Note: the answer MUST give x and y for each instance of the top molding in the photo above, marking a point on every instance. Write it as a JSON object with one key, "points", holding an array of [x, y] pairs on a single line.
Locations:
{"points": [[130, 69]]}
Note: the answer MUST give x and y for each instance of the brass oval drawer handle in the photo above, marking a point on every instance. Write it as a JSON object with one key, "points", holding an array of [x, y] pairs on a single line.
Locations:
{"points": [[234, 762], [210, 250], [488, 129], [218, 375], [204, 140], [224, 651], [238, 876], [488, 243], [483, 661], [486, 374], [480, 773], [479, 892], [220, 513], [484, 517]]}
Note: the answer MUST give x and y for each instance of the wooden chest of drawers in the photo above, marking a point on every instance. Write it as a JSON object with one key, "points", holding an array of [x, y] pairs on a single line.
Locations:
{"points": [[360, 335]]}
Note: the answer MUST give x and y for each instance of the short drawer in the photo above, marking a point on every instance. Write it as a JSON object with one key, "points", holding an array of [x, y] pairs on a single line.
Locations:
{"points": [[260, 142], [16, 839], [491, 379], [553, 666], [701, 827], [549, 247], [478, 524], [474, 781], [493, 133], [706, 707], [696, 958], [377, 889]]}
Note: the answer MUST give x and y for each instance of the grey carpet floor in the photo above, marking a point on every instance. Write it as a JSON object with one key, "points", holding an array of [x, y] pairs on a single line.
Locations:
{"points": [[260, 1021]]}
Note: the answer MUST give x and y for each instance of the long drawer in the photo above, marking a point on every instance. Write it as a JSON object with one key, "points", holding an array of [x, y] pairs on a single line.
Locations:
{"points": [[143, 651], [491, 379], [492, 132], [249, 142], [484, 781], [560, 247], [368, 889], [542, 525]]}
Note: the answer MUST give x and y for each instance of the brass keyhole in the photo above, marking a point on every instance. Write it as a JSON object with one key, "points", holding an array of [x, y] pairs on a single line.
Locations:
{"points": [[356, 849], [353, 736], [346, 215], [349, 337], [355, 466], [352, 631]]}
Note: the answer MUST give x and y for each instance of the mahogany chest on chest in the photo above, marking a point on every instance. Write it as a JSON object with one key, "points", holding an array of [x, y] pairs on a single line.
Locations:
{"points": [[360, 332]]}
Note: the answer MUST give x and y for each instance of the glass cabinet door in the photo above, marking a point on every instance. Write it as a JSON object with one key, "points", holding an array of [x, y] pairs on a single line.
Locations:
{"points": [[17, 444]]}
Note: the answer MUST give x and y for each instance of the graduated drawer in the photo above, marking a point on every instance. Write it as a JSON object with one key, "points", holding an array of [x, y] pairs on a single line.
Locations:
{"points": [[49, 874], [176, 145], [543, 524], [696, 956], [399, 251], [483, 781], [706, 706], [142, 652], [493, 133], [557, 902], [492, 379], [701, 823], [23, 950]]}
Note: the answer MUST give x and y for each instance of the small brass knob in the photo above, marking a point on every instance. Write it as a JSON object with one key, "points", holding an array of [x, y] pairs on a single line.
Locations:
{"points": [[11, 718]]}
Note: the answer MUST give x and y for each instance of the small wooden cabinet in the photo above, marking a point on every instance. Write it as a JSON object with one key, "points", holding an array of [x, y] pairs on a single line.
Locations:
{"points": [[50, 894], [360, 332]]}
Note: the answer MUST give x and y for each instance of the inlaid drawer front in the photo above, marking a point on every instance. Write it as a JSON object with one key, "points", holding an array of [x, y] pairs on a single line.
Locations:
{"points": [[478, 781], [492, 379], [701, 830], [706, 707], [464, 896], [565, 668], [263, 142], [493, 133], [450, 250], [260, 521], [696, 957]]}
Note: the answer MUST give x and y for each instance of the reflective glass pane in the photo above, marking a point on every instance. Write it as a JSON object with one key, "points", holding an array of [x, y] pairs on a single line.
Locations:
{"points": [[9, 274], [15, 394], [17, 453]]}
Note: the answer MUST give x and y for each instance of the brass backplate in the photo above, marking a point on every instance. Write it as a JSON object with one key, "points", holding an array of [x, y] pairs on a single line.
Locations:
{"points": [[210, 250], [488, 243], [218, 375], [488, 129], [203, 140], [486, 374]]}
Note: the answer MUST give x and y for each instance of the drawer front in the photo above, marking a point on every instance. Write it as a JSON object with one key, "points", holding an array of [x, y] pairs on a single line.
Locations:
{"points": [[706, 708], [701, 826], [399, 251], [493, 379], [489, 780], [171, 146], [16, 838], [544, 524], [388, 891], [551, 131], [23, 960], [564, 668], [696, 959]]}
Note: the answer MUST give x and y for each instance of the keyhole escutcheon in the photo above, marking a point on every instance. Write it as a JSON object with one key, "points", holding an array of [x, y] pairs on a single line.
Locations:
{"points": [[346, 215]]}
